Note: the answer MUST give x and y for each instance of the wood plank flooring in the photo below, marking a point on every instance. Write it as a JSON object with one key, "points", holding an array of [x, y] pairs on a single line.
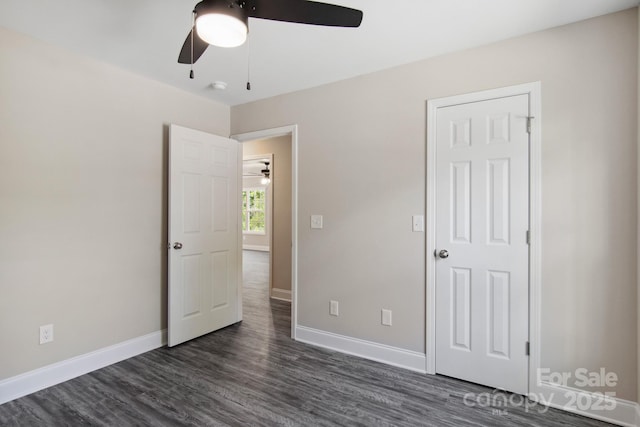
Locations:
{"points": [[253, 374]]}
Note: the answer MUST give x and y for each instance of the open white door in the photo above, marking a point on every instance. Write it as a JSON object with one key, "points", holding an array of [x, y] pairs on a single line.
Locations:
{"points": [[204, 260], [482, 219]]}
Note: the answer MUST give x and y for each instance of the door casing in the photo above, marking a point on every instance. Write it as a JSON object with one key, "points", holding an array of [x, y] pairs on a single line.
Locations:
{"points": [[534, 92]]}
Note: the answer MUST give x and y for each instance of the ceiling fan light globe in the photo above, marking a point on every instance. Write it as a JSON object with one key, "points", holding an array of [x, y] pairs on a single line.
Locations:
{"points": [[265, 181], [221, 30]]}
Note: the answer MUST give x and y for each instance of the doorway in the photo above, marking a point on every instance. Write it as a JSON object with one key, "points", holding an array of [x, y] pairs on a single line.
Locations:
{"points": [[481, 197], [283, 221]]}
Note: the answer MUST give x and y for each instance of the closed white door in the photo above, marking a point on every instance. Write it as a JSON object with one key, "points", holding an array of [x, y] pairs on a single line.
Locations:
{"points": [[482, 252], [204, 260]]}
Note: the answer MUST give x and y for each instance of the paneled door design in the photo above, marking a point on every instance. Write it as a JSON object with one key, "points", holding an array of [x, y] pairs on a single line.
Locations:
{"points": [[482, 202], [203, 234]]}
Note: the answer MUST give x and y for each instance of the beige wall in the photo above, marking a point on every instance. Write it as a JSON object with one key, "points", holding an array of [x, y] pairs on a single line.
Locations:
{"points": [[83, 163], [365, 138], [280, 147]]}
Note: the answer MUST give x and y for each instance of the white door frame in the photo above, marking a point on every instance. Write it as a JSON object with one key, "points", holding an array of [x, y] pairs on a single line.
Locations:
{"points": [[291, 130], [535, 183]]}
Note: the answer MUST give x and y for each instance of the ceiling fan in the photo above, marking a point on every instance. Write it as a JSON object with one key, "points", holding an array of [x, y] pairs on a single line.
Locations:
{"points": [[224, 23], [264, 173]]}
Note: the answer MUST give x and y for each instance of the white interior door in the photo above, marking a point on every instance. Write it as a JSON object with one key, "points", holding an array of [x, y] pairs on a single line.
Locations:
{"points": [[482, 202], [204, 259]]}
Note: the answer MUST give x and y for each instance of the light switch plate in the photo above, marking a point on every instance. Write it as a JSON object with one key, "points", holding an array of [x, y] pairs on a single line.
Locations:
{"points": [[386, 317], [316, 221], [333, 310], [418, 223]]}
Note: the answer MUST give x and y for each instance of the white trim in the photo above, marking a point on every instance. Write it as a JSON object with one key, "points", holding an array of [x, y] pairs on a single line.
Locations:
{"points": [[394, 356], [430, 264], [638, 235], [535, 228], [535, 203], [624, 412], [47, 376], [281, 294], [255, 248], [240, 236], [272, 133]]}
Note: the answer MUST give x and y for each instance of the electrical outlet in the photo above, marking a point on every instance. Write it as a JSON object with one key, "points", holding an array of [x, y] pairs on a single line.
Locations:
{"points": [[46, 334], [334, 308], [386, 317], [316, 221]]}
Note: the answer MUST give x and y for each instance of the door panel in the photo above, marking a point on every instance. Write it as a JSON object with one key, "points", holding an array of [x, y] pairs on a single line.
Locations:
{"points": [[203, 211], [499, 325], [498, 187], [461, 202], [482, 220], [220, 273], [461, 308]]}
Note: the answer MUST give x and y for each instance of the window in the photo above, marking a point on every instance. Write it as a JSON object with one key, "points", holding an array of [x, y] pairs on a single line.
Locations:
{"points": [[253, 210]]}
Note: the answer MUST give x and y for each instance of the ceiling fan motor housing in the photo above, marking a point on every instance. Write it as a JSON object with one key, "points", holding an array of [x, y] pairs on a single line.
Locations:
{"points": [[224, 7]]}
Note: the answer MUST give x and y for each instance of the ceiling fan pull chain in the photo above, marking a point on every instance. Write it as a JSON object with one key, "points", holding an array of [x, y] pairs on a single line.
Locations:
{"points": [[193, 29], [248, 64]]}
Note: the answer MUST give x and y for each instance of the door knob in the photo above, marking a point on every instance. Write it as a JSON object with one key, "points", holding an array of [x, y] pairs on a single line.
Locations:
{"points": [[177, 245], [443, 254]]}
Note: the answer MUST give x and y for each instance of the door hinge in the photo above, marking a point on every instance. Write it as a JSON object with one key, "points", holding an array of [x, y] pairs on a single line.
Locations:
{"points": [[527, 348], [529, 123], [528, 237]]}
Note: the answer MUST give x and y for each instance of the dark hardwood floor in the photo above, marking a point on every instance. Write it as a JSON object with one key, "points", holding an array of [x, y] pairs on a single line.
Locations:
{"points": [[253, 374]]}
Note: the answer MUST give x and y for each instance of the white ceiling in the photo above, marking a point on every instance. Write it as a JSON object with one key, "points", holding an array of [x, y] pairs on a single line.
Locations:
{"points": [[145, 36]]}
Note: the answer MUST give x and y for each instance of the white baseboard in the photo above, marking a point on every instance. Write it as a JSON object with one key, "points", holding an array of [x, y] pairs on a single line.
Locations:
{"points": [[612, 409], [255, 248], [47, 376], [407, 359], [281, 294]]}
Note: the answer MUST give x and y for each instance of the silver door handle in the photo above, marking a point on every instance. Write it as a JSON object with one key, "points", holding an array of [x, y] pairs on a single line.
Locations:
{"points": [[443, 254], [177, 245]]}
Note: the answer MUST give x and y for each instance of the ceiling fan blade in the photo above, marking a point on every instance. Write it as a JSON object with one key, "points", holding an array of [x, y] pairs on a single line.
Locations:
{"points": [[305, 12], [199, 46]]}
